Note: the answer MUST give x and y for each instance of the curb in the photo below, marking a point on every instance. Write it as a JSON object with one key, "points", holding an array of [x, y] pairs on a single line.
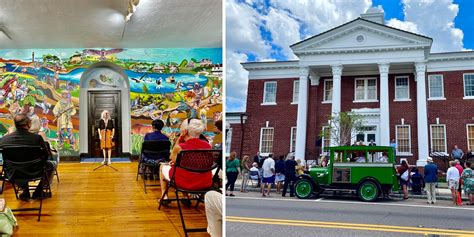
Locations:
{"points": [[393, 195]]}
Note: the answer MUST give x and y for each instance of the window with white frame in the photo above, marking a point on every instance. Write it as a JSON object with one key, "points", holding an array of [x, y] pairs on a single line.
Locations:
{"points": [[470, 136], [365, 89], [228, 141], [326, 138], [436, 87], [402, 88], [296, 89], [438, 138], [293, 139], [327, 90], [266, 140], [469, 85], [403, 137], [269, 92]]}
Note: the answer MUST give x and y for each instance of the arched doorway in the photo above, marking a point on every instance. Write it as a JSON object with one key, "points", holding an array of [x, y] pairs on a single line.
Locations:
{"points": [[104, 85]]}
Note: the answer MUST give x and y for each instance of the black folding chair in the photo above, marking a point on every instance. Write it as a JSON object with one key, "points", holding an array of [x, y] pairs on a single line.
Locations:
{"points": [[158, 151], [197, 161], [27, 164], [50, 154]]}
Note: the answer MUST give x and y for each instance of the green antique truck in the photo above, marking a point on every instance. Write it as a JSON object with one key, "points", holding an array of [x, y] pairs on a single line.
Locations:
{"points": [[367, 170]]}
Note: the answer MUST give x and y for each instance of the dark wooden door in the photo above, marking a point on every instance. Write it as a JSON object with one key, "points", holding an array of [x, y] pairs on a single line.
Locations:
{"points": [[98, 102]]}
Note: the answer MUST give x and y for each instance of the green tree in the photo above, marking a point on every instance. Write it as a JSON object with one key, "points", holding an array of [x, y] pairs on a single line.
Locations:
{"points": [[342, 127]]}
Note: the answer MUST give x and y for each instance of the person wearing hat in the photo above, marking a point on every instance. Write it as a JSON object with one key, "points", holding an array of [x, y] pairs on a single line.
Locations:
{"points": [[431, 180]]}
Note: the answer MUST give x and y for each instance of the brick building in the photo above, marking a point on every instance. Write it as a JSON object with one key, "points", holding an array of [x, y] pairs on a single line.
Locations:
{"points": [[423, 100]]}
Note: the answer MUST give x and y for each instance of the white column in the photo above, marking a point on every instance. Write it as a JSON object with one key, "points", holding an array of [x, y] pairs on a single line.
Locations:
{"points": [[336, 95], [302, 114], [384, 107], [421, 113]]}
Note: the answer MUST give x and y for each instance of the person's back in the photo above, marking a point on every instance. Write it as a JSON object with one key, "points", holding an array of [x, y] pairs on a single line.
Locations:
{"points": [[267, 166], [290, 167], [156, 136], [22, 137], [431, 171], [452, 173], [280, 166]]}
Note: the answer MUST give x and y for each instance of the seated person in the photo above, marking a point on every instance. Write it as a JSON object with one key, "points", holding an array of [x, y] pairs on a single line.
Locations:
{"points": [[416, 181], [188, 140], [22, 136], [253, 174], [53, 156], [383, 158], [361, 159], [156, 135]]}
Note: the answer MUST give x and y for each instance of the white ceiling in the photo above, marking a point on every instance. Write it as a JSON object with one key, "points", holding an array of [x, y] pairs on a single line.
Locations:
{"points": [[100, 23]]}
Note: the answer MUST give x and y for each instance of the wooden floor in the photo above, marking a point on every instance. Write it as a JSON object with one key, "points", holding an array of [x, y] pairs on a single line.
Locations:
{"points": [[102, 203]]}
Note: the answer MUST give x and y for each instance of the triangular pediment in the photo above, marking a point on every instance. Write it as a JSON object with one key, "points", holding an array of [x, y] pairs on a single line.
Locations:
{"points": [[361, 34]]}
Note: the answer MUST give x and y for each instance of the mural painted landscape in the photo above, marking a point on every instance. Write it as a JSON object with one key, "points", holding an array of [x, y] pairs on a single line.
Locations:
{"points": [[167, 84]]}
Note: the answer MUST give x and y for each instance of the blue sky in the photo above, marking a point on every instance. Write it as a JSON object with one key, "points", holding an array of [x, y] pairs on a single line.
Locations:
{"points": [[262, 30]]}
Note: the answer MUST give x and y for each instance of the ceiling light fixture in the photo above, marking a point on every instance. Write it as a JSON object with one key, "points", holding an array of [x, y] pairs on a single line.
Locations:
{"points": [[132, 7]]}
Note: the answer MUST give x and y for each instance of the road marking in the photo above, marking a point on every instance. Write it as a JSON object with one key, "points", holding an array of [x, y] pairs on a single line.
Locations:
{"points": [[351, 202], [352, 226]]}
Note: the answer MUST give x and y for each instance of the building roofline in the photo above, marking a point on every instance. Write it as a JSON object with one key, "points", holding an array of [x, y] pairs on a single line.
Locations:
{"points": [[270, 65], [358, 18]]}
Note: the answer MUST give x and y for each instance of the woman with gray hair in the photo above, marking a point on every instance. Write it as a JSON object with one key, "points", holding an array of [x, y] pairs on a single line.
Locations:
{"points": [[106, 132], [190, 130]]}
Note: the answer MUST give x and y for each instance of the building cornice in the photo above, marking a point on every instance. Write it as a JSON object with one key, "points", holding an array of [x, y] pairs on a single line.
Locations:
{"points": [[270, 65], [451, 56]]}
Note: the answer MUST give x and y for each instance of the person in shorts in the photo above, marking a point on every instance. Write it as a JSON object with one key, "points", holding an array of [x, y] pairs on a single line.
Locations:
{"points": [[280, 173], [268, 168], [452, 176]]}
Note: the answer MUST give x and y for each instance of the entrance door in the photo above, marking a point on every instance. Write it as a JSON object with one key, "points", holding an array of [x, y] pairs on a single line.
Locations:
{"points": [[99, 101], [367, 134]]}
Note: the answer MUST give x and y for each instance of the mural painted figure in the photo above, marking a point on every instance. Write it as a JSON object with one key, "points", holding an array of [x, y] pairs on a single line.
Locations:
{"points": [[63, 112]]}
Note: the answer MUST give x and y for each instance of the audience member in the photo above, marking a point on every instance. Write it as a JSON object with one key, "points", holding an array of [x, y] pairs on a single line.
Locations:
{"points": [[416, 181], [268, 174], [156, 135], [280, 173], [188, 140], [290, 176], [213, 205], [431, 180], [457, 153], [232, 166], [245, 169], [404, 174], [467, 177], [452, 177], [53, 157], [383, 158], [460, 169], [22, 136]]}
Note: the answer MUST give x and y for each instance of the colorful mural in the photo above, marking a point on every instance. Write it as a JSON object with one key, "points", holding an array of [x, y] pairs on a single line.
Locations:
{"points": [[167, 84]]}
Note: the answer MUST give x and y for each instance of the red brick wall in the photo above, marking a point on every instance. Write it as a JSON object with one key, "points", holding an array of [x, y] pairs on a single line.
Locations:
{"points": [[454, 112], [281, 116], [236, 139]]}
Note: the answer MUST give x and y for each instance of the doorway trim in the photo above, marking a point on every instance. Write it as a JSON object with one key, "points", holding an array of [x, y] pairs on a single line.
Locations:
{"points": [[84, 106]]}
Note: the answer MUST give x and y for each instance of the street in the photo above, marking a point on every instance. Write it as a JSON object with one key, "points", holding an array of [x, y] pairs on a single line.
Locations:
{"points": [[248, 214]]}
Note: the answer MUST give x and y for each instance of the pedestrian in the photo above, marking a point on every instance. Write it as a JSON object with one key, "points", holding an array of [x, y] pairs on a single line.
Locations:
{"points": [[290, 176], [245, 166], [259, 160], [452, 177], [460, 169], [268, 174], [457, 153], [280, 173], [431, 180], [232, 166], [467, 178], [404, 174], [393, 144]]}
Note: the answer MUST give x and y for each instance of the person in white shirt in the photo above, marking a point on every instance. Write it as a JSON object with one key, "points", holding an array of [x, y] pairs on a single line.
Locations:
{"points": [[452, 176], [361, 159], [254, 173], [268, 174], [213, 205], [382, 159]]}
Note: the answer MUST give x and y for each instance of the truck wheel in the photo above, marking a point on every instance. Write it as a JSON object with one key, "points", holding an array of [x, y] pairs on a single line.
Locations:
{"points": [[368, 191], [303, 188]]}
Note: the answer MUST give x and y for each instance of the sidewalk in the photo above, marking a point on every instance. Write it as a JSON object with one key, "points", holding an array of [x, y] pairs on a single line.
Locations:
{"points": [[442, 193]]}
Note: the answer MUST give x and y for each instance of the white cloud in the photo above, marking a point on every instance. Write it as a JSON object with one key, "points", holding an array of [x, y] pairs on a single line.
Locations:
{"points": [[322, 15], [236, 81], [435, 18], [284, 30], [403, 25]]}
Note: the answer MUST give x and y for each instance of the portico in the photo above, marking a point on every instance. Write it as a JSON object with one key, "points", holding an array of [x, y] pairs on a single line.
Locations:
{"points": [[363, 48]]}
